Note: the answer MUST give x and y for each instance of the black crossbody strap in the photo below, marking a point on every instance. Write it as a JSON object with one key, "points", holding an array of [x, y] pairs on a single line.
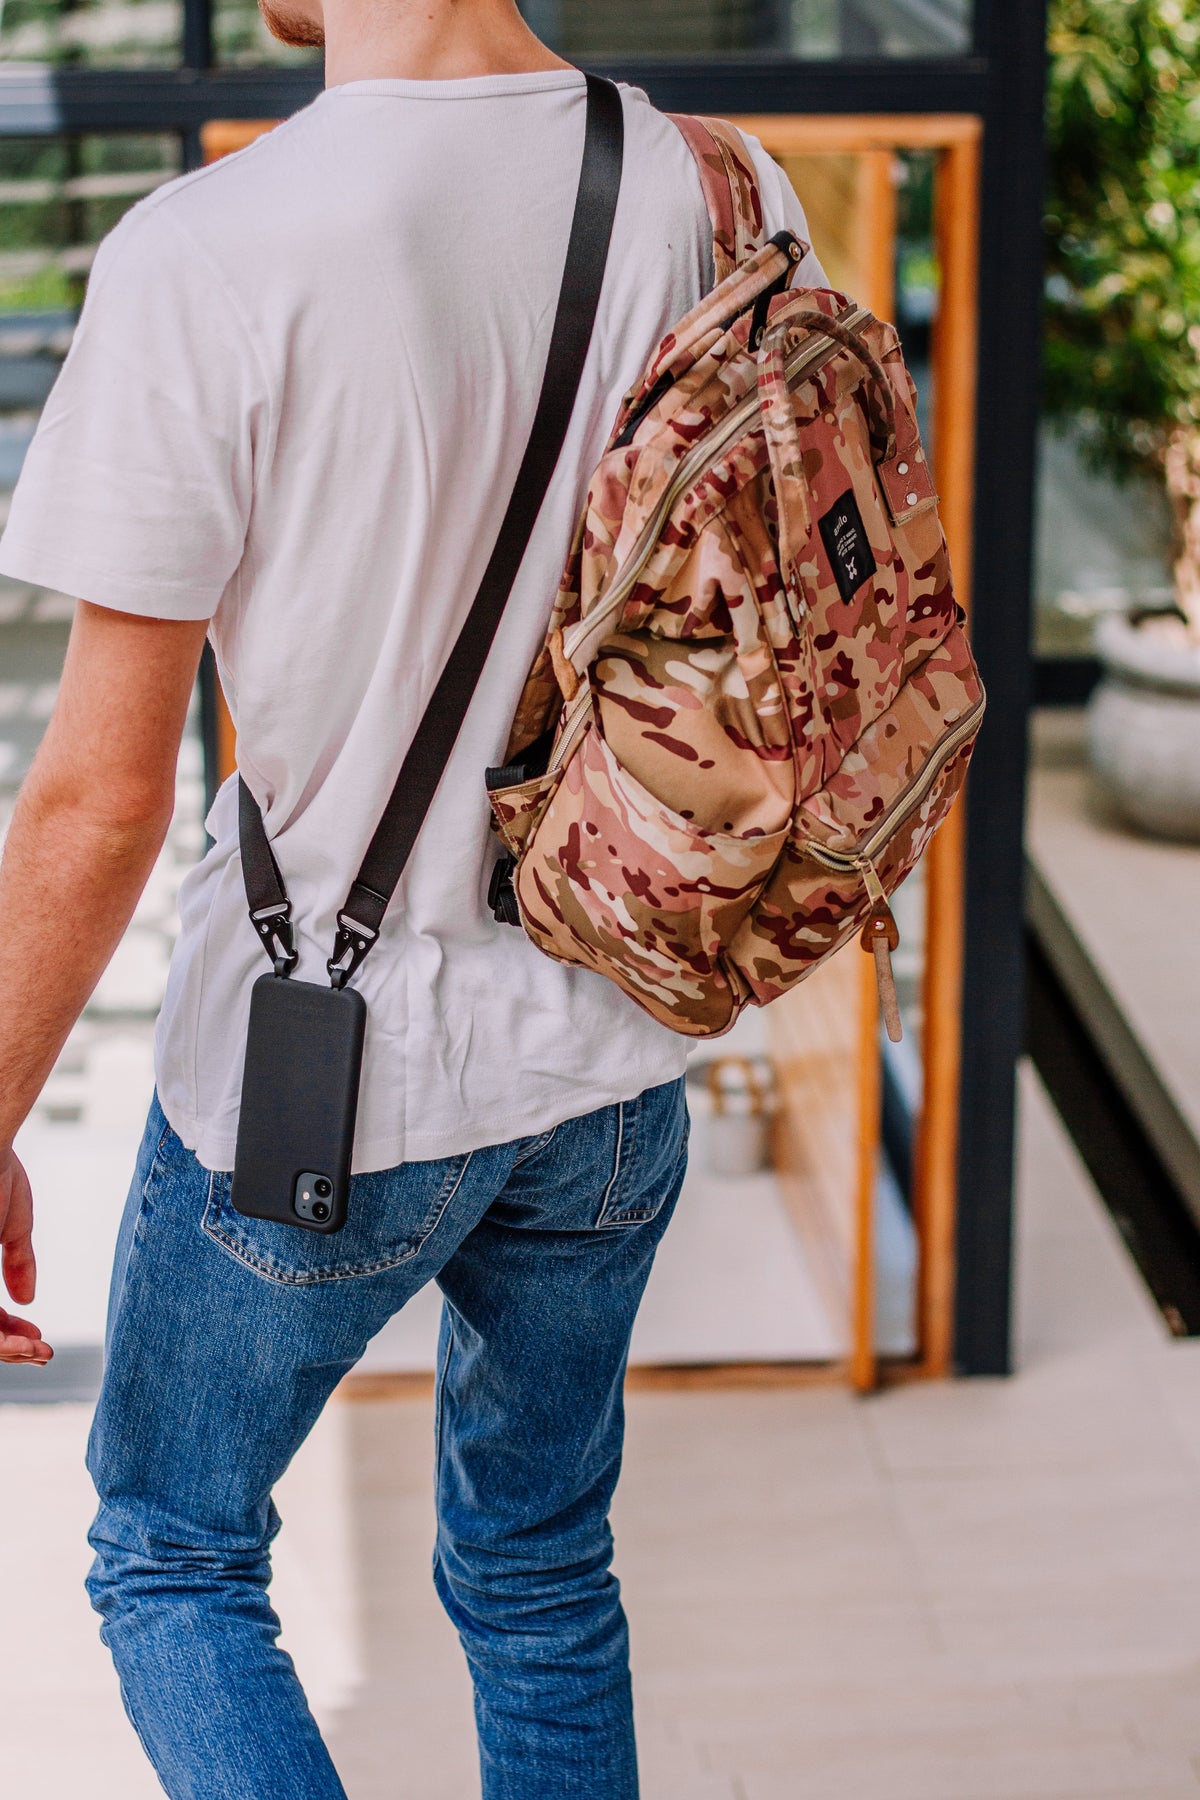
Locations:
{"points": [[390, 847], [270, 908]]}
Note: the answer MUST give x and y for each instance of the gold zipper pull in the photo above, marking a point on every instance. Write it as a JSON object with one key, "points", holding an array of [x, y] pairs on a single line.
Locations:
{"points": [[881, 935]]}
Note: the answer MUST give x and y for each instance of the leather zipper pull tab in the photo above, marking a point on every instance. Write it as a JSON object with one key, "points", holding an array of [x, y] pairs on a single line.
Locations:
{"points": [[881, 935], [565, 673]]}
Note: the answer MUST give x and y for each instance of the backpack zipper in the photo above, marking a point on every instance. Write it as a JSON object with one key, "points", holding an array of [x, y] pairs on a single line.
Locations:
{"points": [[880, 934], [805, 361], [911, 796], [577, 710]]}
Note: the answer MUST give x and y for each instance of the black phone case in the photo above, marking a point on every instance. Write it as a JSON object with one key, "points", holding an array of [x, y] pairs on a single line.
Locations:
{"points": [[299, 1098]]}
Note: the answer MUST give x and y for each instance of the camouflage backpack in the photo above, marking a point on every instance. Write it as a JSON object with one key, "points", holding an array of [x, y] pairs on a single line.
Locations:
{"points": [[755, 702]]}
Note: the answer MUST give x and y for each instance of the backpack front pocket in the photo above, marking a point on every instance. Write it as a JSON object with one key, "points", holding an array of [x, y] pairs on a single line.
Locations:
{"points": [[870, 823], [517, 809], [615, 880]]}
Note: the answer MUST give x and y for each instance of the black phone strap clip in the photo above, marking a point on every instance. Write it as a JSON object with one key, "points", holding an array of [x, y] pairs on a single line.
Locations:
{"points": [[274, 926], [350, 945]]}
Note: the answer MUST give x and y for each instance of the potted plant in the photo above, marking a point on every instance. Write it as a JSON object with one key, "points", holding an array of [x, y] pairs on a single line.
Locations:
{"points": [[1123, 355]]}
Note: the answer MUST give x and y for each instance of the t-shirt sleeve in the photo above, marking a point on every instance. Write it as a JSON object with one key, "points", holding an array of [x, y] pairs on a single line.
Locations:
{"points": [[136, 490], [783, 212]]}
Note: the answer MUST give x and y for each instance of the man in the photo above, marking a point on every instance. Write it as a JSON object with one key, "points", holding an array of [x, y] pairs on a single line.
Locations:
{"points": [[292, 418]]}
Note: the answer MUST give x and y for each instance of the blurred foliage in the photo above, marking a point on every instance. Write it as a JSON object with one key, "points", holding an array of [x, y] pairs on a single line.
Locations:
{"points": [[50, 290], [58, 198], [91, 33], [1123, 224], [914, 194]]}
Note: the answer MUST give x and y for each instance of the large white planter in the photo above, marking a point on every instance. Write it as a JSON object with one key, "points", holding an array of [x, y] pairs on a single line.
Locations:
{"points": [[1144, 729]]}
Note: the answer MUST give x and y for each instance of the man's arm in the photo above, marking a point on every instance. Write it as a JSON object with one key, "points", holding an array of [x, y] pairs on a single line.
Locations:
{"points": [[89, 823]]}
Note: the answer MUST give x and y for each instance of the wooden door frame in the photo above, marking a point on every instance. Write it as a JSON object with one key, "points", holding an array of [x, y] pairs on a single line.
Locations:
{"points": [[957, 141]]}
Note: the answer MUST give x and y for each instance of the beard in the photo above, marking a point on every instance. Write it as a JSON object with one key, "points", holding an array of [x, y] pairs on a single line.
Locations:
{"points": [[291, 27]]}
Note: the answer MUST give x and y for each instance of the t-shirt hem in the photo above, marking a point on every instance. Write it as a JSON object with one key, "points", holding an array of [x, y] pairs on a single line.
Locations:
{"points": [[215, 1151], [40, 567]]}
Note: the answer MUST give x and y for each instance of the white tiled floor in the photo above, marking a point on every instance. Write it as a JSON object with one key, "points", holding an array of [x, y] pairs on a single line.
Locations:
{"points": [[984, 1591]]}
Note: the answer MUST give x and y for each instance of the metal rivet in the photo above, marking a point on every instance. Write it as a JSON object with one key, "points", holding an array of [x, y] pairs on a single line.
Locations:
{"points": [[912, 499], [903, 468]]}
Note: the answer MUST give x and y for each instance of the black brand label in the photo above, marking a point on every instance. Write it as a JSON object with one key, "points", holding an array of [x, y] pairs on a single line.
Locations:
{"points": [[846, 543]]}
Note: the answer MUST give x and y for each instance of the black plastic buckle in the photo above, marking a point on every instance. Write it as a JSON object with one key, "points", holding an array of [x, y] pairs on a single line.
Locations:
{"points": [[502, 896], [350, 946], [274, 926], [510, 775], [793, 250]]}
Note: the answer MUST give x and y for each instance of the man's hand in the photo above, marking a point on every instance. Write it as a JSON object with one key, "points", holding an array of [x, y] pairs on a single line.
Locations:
{"points": [[88, 824], [20, 1340]]}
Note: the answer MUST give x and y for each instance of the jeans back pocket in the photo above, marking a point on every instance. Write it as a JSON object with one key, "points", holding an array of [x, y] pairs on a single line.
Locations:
{"points": [[651, 1145], [392, 1213]]}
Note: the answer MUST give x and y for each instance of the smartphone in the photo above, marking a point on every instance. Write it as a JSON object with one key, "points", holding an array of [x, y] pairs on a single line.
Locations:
{"points": [[304, 1051]]}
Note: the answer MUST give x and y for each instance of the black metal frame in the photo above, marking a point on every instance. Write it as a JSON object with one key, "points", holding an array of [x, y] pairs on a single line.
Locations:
{"points": [[1013, 38], [1002, 83]]}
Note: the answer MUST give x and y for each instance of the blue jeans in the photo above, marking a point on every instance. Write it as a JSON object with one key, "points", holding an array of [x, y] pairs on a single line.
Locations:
{"points": [[226, 1336]]}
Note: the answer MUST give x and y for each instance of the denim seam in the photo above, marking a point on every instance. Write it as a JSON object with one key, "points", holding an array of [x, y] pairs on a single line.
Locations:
{"points": [[155, 1162], [314, 1277], [614, 1178], [611, 1212], [536, 1147], [443, 1375]]}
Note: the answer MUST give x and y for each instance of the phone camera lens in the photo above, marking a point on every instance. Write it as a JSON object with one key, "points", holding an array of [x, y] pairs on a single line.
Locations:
{"points": [[323, 1188], [320, 1210]]}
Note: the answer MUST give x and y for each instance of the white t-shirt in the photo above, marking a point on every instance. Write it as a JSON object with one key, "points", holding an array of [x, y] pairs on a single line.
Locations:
{"points": [[295, 405]]}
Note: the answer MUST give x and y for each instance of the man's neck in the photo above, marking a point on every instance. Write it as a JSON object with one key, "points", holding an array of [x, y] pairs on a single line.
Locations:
{"points": [[429, 40]]}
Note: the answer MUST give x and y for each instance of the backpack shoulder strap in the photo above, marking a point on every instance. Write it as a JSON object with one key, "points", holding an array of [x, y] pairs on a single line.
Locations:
{"points": [[386, 856], [730, 185]]}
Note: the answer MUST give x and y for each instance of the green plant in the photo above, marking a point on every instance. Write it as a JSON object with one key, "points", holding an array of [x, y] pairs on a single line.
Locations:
{"points": [[1123, 247]]}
